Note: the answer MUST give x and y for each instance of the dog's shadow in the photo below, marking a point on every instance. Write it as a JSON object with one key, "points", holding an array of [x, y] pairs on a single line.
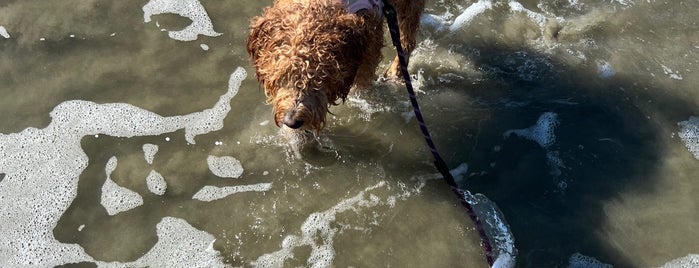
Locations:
{"points": [[613, 135]]}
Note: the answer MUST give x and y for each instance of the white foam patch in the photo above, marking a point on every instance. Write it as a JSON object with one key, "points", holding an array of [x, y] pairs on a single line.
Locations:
{"points": [[42, 168], [149, 151], [126, 120], [179, 245], [191, 9], [689, 133], [211, 193], [156, 183], [114, 198], [437, 23], [3, 32], [534, 16], [470, 13], [225, 166], [542, 132], [318, 231], [578, 260], [689, 261]]}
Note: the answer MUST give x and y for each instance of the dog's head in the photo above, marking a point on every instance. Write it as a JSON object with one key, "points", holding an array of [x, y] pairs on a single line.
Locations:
{"points": [[300, 109]]}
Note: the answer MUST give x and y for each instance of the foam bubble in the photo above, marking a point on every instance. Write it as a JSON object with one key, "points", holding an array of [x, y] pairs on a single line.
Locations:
{"points": [[225, 166], [191, 9], [542, 132], [156, 183], [689, 261], [204, 47], [149, 151], [578, 260], [689, 133], [114, 198], [211, 193], [3, 32]]}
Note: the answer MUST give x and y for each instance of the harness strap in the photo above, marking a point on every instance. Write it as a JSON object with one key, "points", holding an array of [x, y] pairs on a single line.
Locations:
{"points": [[392, 21]]}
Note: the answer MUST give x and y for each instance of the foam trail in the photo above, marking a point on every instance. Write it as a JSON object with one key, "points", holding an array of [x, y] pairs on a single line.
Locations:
{"points": [[191, 9], [471, 12], [3, 32], [211, 193], [318, 233]]}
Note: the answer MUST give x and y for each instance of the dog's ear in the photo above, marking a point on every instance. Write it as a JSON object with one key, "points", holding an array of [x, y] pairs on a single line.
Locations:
{"points": [[256, 37]]}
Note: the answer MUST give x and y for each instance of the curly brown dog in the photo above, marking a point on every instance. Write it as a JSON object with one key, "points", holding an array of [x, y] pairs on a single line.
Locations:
{"points": [[309, 53]]}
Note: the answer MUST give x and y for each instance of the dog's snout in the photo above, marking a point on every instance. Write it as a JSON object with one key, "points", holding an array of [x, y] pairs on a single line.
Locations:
{"points": [[290, 120]]}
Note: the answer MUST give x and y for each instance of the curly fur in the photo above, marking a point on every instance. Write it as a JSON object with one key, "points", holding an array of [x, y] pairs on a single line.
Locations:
{"points": [[308, 54]]}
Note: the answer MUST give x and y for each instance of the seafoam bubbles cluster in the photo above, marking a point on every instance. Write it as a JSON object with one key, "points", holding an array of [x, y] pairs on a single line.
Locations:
{"points": [[149, 151], [578, 260], [125, 120], [191, 9], [689, 133], [542, 132], [225, 166], [689, 261], [156, 183], [211, 193], [116, 199]]}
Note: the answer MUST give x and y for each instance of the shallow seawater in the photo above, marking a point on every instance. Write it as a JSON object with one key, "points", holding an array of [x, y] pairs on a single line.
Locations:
{"points": [[135, 134]]}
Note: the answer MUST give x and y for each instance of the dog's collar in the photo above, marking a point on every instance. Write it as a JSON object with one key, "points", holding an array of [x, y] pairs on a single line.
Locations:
{"points": [[354, 6]]}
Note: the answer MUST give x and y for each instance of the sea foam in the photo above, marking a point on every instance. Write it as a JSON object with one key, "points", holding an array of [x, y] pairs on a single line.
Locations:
{"points": [[689, 132], [42, 168], [191, 9]]}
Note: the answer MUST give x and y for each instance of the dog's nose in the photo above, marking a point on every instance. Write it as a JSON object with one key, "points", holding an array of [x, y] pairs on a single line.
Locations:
{"points": [[292, 122]]}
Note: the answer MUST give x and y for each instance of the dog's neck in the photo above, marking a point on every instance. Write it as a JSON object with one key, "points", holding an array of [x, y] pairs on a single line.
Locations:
{"points": [[354, 6]]}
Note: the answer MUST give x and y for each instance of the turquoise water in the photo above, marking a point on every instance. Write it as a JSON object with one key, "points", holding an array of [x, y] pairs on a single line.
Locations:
{"points": [[131, 137]]}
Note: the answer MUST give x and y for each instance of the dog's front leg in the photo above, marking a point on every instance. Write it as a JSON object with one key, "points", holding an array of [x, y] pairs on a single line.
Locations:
{"points": [[408, 12]]}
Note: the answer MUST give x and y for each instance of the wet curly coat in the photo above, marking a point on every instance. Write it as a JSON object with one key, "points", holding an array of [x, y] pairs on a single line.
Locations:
{"points": [[309, 54]]}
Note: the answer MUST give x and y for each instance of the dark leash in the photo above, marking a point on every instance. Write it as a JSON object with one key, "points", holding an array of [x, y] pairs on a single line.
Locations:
{"points": [[392, 20]]}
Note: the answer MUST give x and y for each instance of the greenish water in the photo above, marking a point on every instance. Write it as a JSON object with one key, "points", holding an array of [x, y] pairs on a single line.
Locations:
{"points": [[608, 179]]}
